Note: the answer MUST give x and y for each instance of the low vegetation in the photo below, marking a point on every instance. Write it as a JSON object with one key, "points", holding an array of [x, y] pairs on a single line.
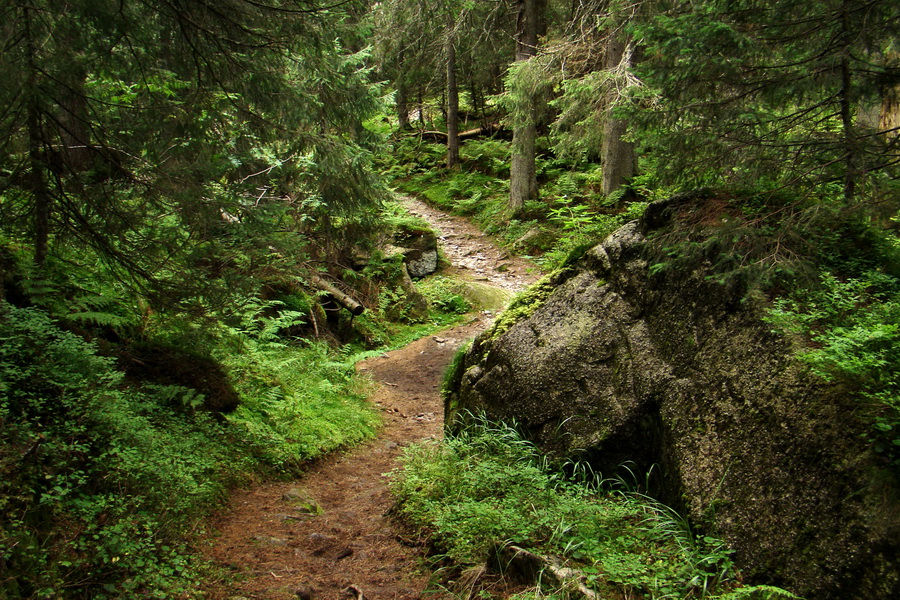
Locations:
{"points": [[487, 487], [570, 216], [849, 330], [122, 427]]}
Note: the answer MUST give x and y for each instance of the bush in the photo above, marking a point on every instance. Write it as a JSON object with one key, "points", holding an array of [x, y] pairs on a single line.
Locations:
{"points": [[99, 479], [102, 476]]}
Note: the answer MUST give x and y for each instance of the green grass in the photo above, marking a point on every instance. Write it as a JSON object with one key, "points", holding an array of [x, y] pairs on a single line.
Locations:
{"points": [[488, 486]]}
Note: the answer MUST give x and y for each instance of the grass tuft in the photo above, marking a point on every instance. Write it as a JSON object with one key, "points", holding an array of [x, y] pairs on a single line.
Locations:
{"points": [[487, 487]]}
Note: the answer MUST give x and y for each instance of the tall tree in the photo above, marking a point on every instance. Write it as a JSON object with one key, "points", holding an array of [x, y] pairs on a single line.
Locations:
{"points": [[618, 155], [768, 93], [419, 44], [530, 24], [129, 126], [452, 102]]}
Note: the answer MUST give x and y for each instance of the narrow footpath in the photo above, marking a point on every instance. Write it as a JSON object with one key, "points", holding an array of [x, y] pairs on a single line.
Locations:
{"points": [[331, 535]]}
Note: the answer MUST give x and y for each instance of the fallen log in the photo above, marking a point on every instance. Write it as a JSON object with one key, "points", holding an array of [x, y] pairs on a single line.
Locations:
{"points": [[535, 569], [441, 136], [340, 297]]}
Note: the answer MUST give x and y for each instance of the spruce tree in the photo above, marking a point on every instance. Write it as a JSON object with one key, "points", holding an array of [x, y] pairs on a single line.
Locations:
{"points": [[131, 127], [774, 94]]}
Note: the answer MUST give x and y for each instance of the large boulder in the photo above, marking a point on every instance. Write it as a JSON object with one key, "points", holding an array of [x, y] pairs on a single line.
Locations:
{"points": [[616, 362]]}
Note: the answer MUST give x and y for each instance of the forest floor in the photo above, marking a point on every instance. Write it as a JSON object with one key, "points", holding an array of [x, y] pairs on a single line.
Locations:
{"points": [[331, 534]]}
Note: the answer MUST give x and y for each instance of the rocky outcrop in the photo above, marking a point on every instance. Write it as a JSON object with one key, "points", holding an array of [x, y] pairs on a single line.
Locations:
{"points": [[615, 362], [419, 250]]}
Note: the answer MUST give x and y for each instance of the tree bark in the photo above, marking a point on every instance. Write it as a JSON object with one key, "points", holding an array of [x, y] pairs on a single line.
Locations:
{"points": [[452, 107], [618, 157], [889, 119], [36, 158], [340, 297], [523, 172], [846, 105], [74, 133], [402, 103]]}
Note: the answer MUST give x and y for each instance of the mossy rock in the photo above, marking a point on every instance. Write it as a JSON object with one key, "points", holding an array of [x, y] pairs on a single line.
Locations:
{"points": [[483, 296], [677, 371]]}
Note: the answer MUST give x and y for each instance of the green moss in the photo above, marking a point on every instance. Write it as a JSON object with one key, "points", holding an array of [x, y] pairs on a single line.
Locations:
{"points": [[454, 372], [524, 305]]}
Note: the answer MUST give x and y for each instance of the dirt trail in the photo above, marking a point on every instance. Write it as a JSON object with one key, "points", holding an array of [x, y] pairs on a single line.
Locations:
{"points": [[330, 534], [473, 255]]}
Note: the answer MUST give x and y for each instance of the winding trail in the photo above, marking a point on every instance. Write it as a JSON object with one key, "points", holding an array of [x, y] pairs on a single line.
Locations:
{"points": [[330, 534]]}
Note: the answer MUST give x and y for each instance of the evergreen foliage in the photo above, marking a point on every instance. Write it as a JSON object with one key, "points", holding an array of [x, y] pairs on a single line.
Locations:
{"points": [[172, 175], [853, 328], [771, 94], [177, 132]]}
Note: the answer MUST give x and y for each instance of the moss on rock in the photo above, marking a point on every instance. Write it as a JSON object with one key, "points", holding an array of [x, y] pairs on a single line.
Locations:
{"points": [[675, 368]]}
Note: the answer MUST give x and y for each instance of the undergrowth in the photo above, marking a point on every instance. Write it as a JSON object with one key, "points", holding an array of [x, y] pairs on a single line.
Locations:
{"points": [[850, 327], [105, 478], [487, 487], [99, 479], [570, 216]]}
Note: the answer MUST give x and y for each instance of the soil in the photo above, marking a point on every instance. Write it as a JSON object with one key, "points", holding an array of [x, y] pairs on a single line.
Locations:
{"points": [[472, 254], [331, 534]]}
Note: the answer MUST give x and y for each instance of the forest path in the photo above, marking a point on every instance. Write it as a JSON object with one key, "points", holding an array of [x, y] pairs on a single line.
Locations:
{"points": [[330, 535]]}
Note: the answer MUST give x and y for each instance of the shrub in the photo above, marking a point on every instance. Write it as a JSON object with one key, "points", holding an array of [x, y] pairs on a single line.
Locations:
{"points": [[853, 329], [99, 479]]}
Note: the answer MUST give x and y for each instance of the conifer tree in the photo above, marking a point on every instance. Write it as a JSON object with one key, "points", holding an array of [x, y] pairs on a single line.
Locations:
{"points": [[130, 127], [772, 93], [530, 25]]}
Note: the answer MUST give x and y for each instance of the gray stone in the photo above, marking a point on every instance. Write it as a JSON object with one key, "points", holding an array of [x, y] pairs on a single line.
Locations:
{"points": [[421, 262], [677, 370], [419, 250]]}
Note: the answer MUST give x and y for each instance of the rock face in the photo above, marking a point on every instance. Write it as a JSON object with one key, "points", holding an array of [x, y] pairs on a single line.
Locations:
{"points": [[616, 364]]}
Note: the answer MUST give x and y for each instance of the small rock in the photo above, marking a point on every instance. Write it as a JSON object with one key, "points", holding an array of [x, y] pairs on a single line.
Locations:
{"points": [[302, 502], [346, 552], [304, 592], [285, 517]]}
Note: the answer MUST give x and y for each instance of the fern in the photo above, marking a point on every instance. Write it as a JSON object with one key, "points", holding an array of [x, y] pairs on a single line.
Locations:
{"points": [[100, 319], [758, 592]]}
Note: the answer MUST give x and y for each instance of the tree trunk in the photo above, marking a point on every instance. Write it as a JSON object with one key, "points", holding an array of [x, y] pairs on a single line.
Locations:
{"points": [[618, 157], [889, 121], [36, 159], [402, 103], [452, 107], [523, 172], [846, 104], [74, 133]]}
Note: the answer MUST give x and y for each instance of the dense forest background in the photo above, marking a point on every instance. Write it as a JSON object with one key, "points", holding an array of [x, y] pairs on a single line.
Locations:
{"points": [[176, 176]]}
